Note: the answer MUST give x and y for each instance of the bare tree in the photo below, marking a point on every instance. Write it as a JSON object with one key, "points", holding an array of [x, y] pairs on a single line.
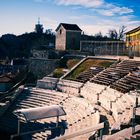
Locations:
{"points": [[113, 34], [121, 33]]}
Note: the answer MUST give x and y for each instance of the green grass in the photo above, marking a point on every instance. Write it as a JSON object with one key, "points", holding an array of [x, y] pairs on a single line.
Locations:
{"points": [[71, 63], [87, 64], [58, 72]]}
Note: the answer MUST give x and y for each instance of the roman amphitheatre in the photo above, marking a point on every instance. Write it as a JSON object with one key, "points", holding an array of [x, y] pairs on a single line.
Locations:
{"points": [[97, 98]]}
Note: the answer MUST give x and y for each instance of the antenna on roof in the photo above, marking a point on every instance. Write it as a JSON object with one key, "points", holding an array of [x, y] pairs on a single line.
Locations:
{"points": [[38, 20]]}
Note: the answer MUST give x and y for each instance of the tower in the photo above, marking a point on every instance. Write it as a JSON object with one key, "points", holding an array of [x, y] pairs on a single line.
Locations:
{"points": [[39, 27]]}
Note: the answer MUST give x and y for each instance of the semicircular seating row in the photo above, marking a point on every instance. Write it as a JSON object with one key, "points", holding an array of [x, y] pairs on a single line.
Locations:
{"points": [[112, 100], [116, 72], [79, 113]]}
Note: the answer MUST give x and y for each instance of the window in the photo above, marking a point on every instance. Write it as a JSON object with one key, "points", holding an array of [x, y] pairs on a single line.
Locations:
{"points": [[60, 31]]}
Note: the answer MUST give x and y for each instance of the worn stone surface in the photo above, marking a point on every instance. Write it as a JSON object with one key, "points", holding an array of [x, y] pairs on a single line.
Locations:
{"points": [[42, 67]]}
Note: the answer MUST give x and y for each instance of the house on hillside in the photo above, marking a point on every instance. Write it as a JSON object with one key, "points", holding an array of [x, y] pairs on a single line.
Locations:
{"points": [[68, 37], [133, 41]]}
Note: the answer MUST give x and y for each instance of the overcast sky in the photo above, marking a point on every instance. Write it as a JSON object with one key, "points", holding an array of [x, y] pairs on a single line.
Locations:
{"points": [[92, 16]]}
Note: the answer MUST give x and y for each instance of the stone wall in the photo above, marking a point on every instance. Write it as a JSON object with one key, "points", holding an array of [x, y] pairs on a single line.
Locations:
{"points": [[47, 83], [70, 87], [42, 67], [73, 40], [103, 47], [39, 53], [61, 39]]}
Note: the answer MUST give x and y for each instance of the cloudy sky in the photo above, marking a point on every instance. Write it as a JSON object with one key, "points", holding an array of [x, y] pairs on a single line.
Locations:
{"points": [[93, 16]]}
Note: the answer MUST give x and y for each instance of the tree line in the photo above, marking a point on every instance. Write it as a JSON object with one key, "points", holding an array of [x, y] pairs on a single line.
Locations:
{"points": [[13, 46], [112, 35]]}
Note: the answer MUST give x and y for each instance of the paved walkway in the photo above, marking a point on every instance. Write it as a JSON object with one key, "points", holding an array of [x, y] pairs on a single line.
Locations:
{"points": [[121, 135], [117, 57]]}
